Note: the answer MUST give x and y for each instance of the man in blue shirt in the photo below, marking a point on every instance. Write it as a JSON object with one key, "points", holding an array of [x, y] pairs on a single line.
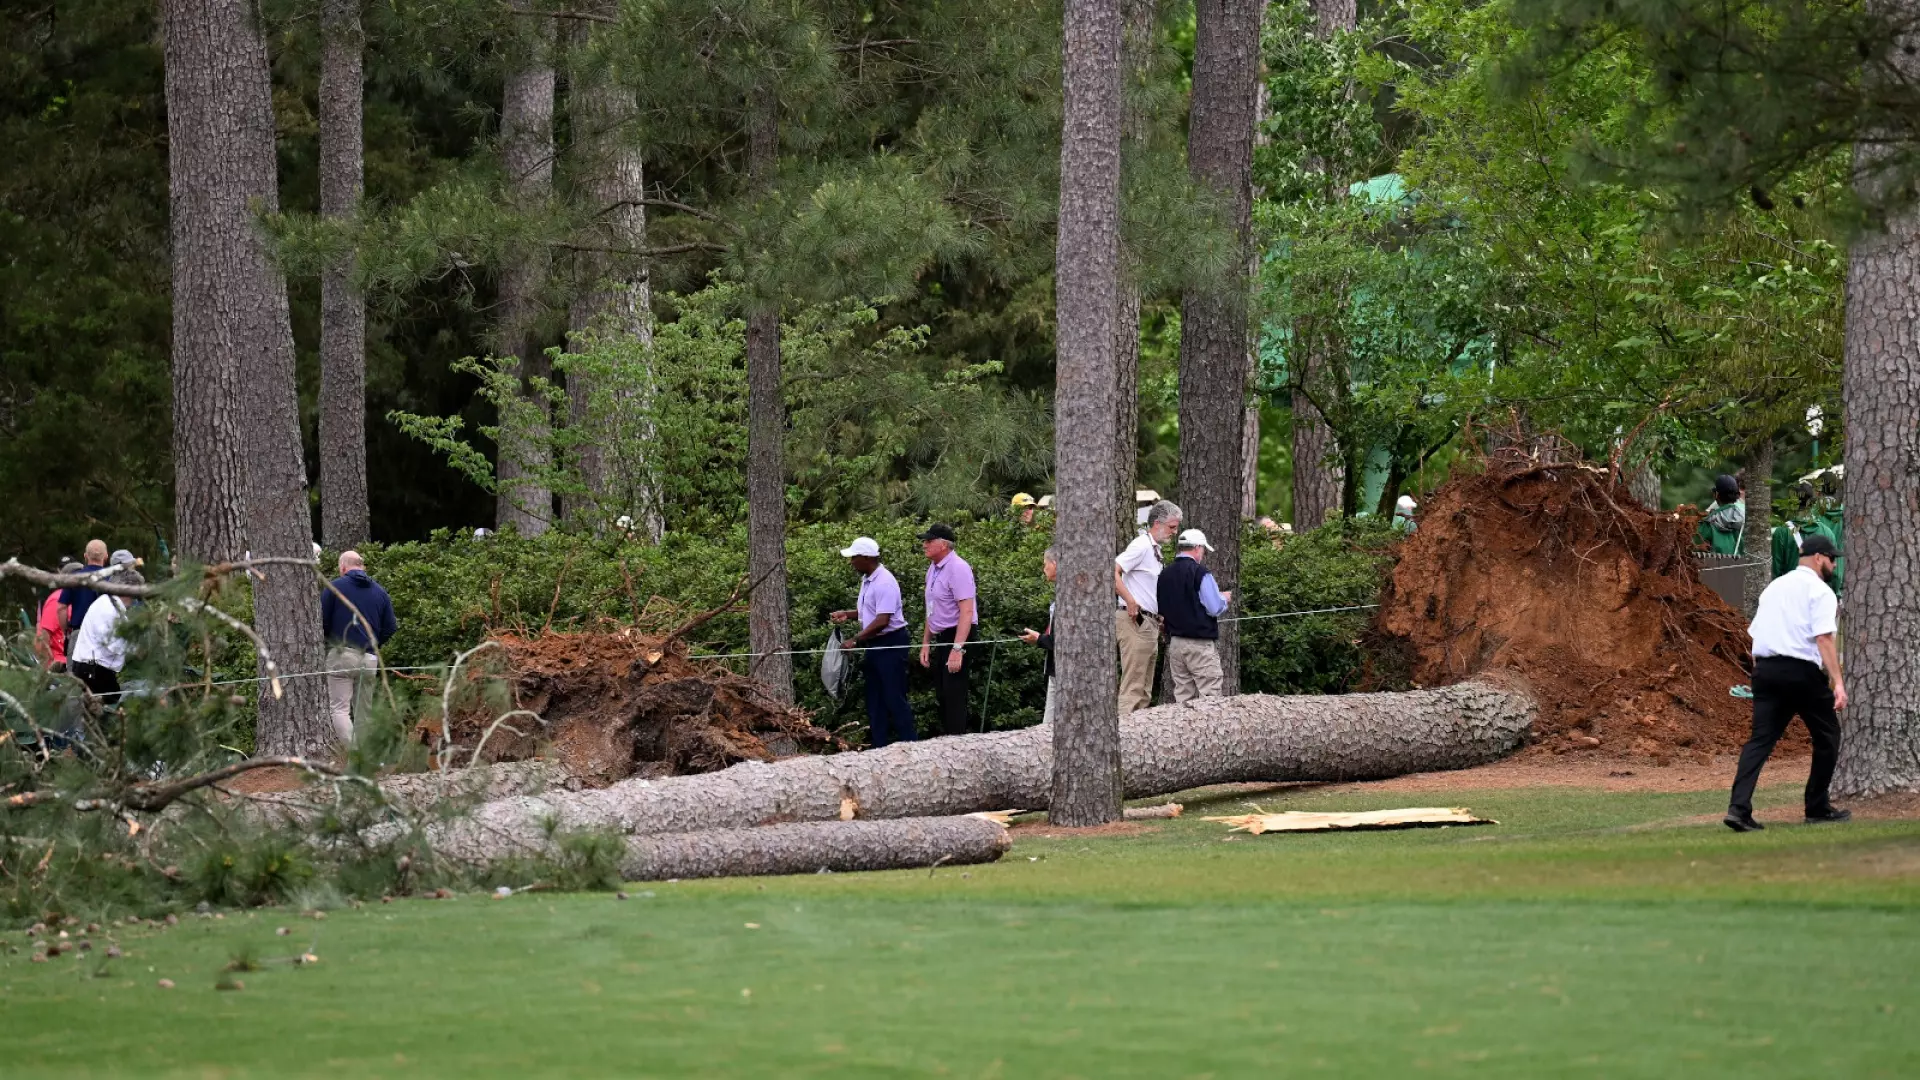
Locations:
{"points": [[352, 655], [76, 599], [883, 631], [1190, 606]]}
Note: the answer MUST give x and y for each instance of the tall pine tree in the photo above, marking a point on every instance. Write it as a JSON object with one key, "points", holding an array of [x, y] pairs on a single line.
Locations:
{"points": [[1213, 314], [1087, 785]]}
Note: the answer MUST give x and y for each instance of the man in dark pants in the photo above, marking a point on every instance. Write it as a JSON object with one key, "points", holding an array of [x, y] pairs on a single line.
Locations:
{"points": [[951, 616], [1796, 671], [883, 633]]}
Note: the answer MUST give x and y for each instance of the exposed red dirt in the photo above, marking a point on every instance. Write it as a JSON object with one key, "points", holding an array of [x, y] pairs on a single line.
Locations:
{"points": [[625, 703], [1549, 570]]}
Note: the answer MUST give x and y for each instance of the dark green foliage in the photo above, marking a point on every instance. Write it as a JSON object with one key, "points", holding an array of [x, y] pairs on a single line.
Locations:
{"points": [[587, 860], [1737, 96], [84, 323], [451, 590], [236, 872], [1340, 565]]}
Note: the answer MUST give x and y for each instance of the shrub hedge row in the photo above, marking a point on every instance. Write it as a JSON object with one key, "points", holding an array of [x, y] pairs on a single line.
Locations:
{"points": [[450, 591]]}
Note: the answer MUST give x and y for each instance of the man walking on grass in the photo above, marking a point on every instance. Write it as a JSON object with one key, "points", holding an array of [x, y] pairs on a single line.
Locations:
{"points": [[352, 656], [1796, 670], [952, 613], [1136, 621], [1191, 604], [883, 633]]}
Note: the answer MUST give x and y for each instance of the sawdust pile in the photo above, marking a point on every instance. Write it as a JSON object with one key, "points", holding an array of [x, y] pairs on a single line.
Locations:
{"points": [[1545, 567], [624, 703]]}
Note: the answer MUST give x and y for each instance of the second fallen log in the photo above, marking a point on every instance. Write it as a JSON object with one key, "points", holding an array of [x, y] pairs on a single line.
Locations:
{"points": [[1172, 748], [811, 847]]}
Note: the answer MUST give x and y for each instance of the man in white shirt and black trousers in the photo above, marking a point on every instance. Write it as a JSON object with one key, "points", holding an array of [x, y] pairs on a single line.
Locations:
{"points": [[1796, 670]]}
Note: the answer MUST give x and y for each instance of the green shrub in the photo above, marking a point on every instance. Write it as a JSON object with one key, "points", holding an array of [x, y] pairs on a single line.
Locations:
{"points": [[450, 590]]}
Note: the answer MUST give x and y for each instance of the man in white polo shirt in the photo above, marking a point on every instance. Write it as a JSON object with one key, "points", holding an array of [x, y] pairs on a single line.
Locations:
{"points": [[883, 634], [1136, 584], [1796, 670]]}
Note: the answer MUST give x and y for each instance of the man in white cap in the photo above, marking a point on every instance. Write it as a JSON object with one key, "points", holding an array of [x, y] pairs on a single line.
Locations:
{"points": [[1190, 605], [1403, 511], [883, 632]]}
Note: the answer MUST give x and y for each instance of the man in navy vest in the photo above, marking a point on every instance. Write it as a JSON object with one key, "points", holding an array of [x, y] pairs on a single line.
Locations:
{"points": [[1190, 606]]}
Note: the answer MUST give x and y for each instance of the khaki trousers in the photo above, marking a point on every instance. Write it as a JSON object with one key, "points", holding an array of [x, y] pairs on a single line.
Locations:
{"points": [[350, 675], [1139, 648], [1193, 666]]}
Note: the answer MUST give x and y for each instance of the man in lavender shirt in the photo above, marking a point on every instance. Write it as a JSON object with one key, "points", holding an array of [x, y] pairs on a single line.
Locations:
{"points": [[952, 613], [883, 633]]}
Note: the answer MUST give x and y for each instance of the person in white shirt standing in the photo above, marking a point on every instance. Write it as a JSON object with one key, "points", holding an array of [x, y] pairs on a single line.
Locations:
{"points": [[99, 653], [1136, 582], [883, 634], [1796, 671]]}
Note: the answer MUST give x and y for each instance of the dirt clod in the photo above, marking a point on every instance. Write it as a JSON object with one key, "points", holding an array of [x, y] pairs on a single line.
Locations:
{"points": [[1546, 568]]}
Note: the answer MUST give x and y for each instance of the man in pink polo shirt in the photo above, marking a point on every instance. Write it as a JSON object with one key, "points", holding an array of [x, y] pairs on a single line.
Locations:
{"points": [[952, 613]]}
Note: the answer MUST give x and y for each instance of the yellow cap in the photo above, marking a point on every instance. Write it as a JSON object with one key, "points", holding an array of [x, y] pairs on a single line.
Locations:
{"points": [[1023, 499]]}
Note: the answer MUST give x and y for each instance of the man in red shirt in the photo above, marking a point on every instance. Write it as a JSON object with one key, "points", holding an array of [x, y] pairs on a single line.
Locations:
{"points": [[50, 630]]}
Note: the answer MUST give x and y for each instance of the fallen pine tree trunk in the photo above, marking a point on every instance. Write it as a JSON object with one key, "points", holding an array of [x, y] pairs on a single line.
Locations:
{"points": [[810, 847], [416, 793], [1163, 750]]}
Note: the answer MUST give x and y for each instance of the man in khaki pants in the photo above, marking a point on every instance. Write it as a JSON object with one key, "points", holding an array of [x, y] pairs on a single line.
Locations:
{"points": [[1191, 604], [358, 618], [1136, 577]]}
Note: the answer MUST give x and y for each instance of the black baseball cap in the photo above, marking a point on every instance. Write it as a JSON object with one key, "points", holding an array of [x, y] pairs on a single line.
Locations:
{"points": [[1726, 485], [1817, 544], [940, 532]]}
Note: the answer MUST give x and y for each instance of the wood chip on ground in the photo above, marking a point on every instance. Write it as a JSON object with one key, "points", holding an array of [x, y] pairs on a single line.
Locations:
{"points": [[1300, 821]]}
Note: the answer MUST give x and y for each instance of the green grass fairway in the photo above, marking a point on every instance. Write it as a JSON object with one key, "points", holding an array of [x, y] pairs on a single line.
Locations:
{"points": [[1590, 934]]}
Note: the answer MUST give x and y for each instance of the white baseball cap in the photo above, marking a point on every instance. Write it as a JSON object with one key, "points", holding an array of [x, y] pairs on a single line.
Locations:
{"points": [[1194, 538], [863, 545], [1406, 505]]}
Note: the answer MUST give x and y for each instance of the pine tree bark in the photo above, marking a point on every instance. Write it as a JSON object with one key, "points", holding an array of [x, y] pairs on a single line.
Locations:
{"points": [[211, 148], [1126, 393], [1136, 55], [1162, 750], [615, 297], [224, 174], [1880, 744], [767, 629], [343, 311], [1319, 481], [1213, 317], [1250, 457], [1085, 785], [1644, 484], [526, 151], [1757, 543], [813, 847]]}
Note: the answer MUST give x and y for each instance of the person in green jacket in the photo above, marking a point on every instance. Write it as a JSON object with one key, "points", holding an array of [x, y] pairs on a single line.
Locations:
{"points": [[1820, 514], [1725, 524]]}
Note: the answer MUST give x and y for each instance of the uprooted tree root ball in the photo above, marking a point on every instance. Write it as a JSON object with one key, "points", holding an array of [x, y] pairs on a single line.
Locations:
{"points": [[625, 703], [1544, 566]]}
